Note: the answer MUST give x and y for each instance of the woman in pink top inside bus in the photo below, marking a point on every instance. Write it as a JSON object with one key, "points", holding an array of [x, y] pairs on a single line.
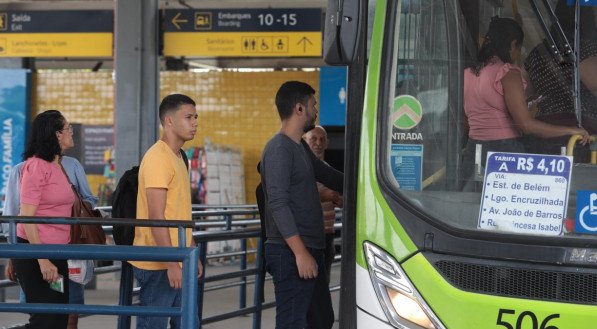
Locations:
{"points": [[494, 98], [45, 191]]}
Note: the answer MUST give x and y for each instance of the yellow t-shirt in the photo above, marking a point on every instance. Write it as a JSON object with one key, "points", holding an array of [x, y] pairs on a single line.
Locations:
{"points": [[162, 168]]}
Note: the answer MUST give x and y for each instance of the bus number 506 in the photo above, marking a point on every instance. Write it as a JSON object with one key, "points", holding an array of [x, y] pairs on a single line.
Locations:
{"points": [[502, 321]]}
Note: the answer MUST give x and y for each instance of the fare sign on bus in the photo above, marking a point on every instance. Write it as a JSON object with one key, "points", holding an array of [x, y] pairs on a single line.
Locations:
{"points": [[525, 193]]}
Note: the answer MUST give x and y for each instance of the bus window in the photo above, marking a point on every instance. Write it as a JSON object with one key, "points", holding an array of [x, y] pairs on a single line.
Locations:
{"points": [[553, 77], [421, 156]]}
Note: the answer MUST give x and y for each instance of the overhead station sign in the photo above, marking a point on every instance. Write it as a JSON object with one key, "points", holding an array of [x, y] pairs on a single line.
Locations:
{"points": [[49, 33], [243, 33]]}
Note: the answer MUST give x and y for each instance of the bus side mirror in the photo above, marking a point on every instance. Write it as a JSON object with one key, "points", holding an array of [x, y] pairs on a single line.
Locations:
{"points": [[341, 31]]}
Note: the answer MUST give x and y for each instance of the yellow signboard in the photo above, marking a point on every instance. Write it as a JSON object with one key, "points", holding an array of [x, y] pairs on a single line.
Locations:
{"points": [[55, 44], [243, 44], [56, 33]]}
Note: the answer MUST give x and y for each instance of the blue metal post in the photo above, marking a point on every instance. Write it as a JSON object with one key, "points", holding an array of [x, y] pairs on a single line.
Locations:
{"points": [[12, 232], [203, 257], [243, 266], [189, 317], [259, 281], [182, 237], [126, 293]]}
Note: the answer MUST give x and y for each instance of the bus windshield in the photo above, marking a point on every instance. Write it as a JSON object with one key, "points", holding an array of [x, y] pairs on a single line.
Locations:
{"points": [[481, 106]]}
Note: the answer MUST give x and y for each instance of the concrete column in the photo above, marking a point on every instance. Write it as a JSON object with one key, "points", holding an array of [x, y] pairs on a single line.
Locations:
{"points": [[136, 32]]}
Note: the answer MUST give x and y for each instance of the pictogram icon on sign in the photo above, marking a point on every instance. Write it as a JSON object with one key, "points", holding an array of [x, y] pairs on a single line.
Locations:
{"points": [[202, 21], [586, 210], [3, 21], [249, 44], [304, 41], [264, 46], [280, 45], [176, 20], [257, 44]]}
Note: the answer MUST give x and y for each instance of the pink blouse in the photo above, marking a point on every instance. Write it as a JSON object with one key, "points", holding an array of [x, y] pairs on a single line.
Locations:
{"points": [[484, 103], [44, 185]]}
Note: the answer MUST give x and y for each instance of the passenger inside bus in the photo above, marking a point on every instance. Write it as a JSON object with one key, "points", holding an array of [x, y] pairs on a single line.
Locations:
{"points": [[495, 102], [553, 78]]}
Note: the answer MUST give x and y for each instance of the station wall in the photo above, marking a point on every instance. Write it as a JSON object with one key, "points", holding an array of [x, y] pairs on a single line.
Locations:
{"points": [[234, 108]]}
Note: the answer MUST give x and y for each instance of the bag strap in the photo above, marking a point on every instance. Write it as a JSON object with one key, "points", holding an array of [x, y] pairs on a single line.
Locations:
{"points": [[72, 186], [78, 196], [183, 154], [67, 178]]}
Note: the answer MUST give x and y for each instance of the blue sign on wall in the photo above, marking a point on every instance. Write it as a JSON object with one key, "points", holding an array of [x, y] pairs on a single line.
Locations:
{"points": [[332, 96], [14, 110]]}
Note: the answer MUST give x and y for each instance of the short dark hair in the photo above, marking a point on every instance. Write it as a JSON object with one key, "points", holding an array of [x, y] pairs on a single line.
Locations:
{"points": [[289, 94], [172, 103], [43, 142]]}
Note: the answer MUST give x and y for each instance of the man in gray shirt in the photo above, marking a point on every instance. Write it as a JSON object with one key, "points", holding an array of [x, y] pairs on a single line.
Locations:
{"points": [[295, 244]]}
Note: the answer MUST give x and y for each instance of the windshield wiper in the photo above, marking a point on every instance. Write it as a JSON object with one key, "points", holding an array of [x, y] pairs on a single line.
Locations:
{"points": [[560, 52]]}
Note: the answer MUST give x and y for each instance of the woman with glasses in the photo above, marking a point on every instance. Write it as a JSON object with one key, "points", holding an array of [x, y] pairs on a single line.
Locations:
{"points": [[45, 192]]}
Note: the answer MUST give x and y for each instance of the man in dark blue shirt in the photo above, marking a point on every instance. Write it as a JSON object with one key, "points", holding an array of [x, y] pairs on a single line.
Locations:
{"points": [[295, 244]]}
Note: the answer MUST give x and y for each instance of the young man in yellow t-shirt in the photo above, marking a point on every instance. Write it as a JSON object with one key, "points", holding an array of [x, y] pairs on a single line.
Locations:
{"points": [[163, 194]]}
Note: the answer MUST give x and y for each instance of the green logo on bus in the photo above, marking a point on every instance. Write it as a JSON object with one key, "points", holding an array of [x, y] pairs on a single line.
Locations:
{"points": [[406, 112]]}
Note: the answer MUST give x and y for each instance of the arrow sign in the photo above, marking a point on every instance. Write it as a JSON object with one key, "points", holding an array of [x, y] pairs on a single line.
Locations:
{"points": [[242, 32], [304, 41], [176, 19]]}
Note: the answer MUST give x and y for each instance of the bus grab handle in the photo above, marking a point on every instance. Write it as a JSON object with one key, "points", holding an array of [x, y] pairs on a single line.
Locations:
{"points": [[572, 143]]}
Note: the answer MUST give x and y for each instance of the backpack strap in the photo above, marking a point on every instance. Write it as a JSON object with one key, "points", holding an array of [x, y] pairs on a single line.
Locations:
{"points": [[183, 154]]}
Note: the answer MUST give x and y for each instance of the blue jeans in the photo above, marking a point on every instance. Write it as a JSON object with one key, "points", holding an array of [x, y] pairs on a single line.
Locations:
{"points": [[75, 293], [300, 303], [156, 291]]}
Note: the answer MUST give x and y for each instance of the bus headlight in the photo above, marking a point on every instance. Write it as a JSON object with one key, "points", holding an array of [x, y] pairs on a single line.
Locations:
{"points": [[403, 305]]}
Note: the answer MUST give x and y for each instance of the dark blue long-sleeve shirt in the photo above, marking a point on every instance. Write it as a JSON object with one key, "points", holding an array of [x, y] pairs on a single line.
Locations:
{"points": [[289, 172]]}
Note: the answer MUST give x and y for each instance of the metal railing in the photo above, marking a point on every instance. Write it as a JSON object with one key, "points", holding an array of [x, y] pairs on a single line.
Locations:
{"points": [[189, 257], [239, 223]]}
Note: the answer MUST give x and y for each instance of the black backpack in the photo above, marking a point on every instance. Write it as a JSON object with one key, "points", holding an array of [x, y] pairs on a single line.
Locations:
{"points": [[124, 203]]}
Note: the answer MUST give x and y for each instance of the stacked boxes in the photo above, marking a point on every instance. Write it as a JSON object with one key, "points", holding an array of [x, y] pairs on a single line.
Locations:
{"points": [[225, 182], [212, 173], [225, 185], [237, 177]]}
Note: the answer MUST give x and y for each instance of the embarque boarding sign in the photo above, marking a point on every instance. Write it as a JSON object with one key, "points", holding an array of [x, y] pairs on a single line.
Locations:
{"points": [[525, 193]]}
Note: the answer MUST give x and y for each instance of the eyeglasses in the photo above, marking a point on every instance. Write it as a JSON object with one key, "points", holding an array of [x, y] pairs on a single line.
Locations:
{"points": [[69, 128]]}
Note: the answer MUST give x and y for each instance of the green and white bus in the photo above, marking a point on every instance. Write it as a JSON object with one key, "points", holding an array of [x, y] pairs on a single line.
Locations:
{"points": [[415, 253]]}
